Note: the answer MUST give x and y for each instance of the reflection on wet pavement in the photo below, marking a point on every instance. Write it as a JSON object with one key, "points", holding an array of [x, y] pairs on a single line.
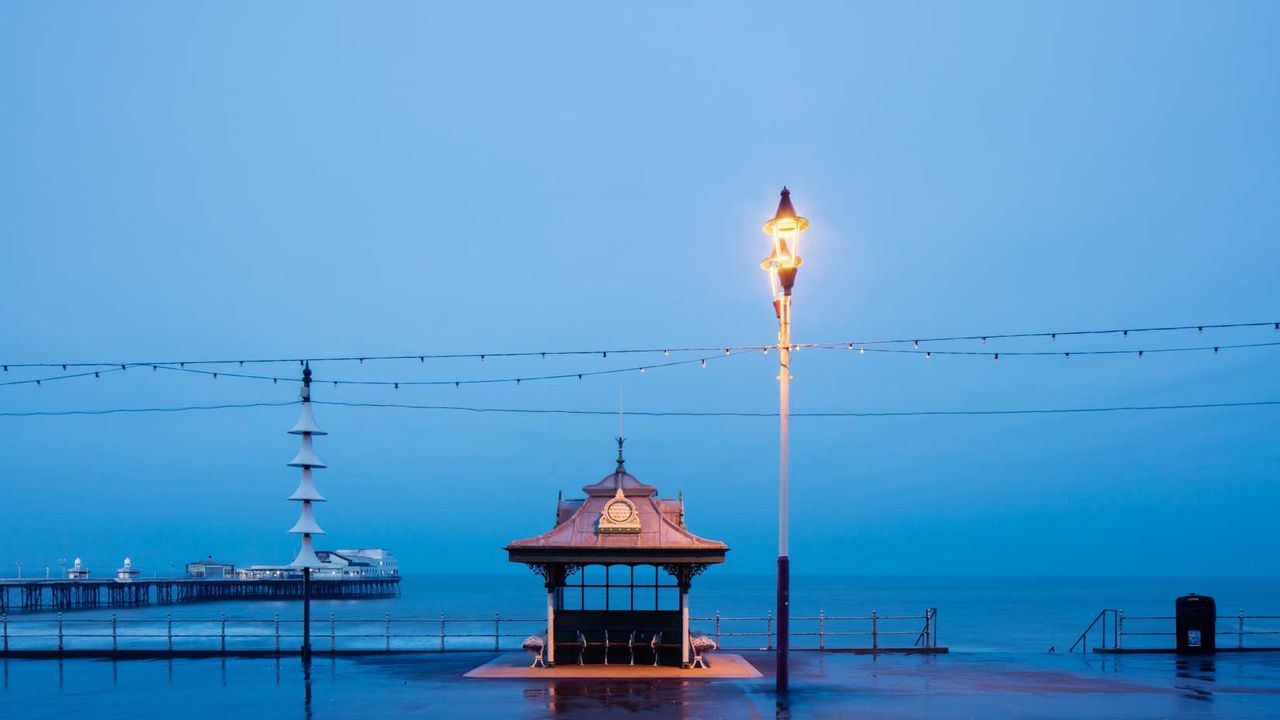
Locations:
{"points": [[824, 686]]}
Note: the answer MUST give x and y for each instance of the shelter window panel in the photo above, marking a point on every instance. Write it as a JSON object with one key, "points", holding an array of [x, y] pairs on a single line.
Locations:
{"points": [[594, 588], [619, 590]]}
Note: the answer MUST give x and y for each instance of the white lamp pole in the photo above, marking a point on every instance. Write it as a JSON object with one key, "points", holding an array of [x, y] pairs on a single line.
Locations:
{"points": [[783, 262], [306, 494]]}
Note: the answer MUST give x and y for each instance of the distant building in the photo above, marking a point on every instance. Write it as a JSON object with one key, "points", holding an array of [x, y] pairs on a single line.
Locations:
{"points": [[269, 572], [334, 565], [127, 572], [77, 571], [376, 561], [210, 569]]}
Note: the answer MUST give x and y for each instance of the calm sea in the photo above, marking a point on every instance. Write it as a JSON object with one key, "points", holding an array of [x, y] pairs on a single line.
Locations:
{"points": [[975, 614]]}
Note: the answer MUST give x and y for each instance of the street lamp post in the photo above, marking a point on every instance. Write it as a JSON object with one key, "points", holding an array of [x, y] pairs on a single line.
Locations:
{"points": [[781, 265], [306, 494]]}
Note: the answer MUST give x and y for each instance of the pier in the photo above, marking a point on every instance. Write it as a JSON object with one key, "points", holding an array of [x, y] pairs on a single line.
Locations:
{"points": [[34, 595]]}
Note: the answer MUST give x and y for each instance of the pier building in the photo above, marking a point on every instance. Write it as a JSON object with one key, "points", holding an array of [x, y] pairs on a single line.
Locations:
{"points": [[617, 568], [127, 572], [334, 564], [210, 569], [78, 571]]}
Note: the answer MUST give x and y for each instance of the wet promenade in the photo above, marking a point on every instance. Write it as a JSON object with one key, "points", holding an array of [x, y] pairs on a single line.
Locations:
{"points": [[961, 685]]}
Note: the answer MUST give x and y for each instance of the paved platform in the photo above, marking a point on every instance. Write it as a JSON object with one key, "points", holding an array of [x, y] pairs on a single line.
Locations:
{"points": [[516, 666], [824, 686]]}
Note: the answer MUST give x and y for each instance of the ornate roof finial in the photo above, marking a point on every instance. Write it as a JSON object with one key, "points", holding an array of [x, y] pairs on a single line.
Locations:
{"points": [[785, 209], [621, 467]]}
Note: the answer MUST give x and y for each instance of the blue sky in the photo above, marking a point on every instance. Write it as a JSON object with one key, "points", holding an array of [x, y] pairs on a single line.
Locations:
{"points": [[234, 180]]}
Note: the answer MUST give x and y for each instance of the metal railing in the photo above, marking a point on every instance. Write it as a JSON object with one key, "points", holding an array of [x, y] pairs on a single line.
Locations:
{"points": [[1121, 626], [223, 634], [827, 632]]}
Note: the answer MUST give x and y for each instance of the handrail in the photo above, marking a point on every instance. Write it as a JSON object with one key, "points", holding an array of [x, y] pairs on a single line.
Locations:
{"points": [[438, 633], [1225, 625], [1083, 638]]}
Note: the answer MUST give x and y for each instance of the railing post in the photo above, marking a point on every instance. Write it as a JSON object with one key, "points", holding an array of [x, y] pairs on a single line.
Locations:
{"points": [[1119, 629], [387, 631], [276, 619], [169, 629], [822, 630], [223, 646], [928, 636], [113, 632], [769, 630], [717, 628], [1240, 630], [441, 632], [875, 636], [333, 640], [496, 622], [59, 632]]}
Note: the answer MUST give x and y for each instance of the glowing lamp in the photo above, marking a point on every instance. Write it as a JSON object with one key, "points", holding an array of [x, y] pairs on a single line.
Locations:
{"points": [[785, 227]]}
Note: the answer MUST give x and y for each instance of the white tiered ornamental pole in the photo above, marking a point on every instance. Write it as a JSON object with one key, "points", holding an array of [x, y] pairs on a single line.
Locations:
{"points": [[306, 494]]}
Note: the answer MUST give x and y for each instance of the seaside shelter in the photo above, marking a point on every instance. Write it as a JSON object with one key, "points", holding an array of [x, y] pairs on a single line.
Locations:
{"points": [[617, 568]]}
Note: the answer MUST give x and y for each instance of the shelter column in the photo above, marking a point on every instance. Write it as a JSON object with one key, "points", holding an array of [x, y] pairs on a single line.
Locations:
{"points": [[551, 626], [553, 574], [684, 627], [684, 578]]}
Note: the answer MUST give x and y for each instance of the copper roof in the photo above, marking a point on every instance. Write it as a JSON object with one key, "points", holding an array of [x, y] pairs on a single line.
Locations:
{"points": [[663, 536]]}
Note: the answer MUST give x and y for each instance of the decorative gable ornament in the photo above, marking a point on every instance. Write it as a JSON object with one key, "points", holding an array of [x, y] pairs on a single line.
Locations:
{"points": [[619, 517]]}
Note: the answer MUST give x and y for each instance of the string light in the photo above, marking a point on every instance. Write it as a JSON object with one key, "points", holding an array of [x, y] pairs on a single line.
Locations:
{"points": [[421, 357], [456, 383], [1048, 353], [96, 369], [660, 413]]}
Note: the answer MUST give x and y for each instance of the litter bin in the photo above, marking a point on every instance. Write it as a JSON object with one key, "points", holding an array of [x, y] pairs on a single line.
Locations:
{"points": [[1195, 619]]}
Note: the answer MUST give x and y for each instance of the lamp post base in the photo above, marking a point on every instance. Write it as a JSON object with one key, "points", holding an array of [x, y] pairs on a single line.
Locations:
{"points": [[784, 621]]}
